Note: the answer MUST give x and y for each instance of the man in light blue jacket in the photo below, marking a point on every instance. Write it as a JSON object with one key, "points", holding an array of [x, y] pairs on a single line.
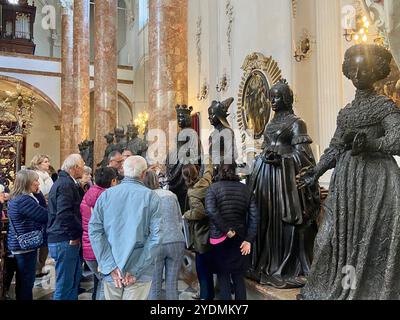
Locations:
{"points": [[124, 231]]}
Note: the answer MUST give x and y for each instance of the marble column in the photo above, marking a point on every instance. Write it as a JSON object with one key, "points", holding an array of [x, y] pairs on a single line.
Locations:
{"points": [[168, 50], [329, 74], [81, 115], [329, 68], [67, 80], [105, 73]]}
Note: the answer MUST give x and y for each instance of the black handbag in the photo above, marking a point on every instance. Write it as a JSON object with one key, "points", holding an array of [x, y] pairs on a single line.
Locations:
{"points": [[30, 240]]}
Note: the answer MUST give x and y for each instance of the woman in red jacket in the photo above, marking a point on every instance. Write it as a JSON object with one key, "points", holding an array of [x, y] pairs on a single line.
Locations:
{"points": [[104, 179]]}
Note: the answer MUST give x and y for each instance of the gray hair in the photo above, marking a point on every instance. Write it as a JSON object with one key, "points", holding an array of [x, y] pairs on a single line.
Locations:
{"points": [[23, 183], [134, 166], [72, 161], [87, 170]]}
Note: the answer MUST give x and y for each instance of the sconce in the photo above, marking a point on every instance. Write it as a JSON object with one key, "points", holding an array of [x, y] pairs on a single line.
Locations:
{"points": [[360, 33], [222, 84], [203, 94], [303, 48]]}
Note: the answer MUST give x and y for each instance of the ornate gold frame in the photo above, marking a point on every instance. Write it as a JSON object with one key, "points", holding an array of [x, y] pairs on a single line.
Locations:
{"points": [[269, 68]]}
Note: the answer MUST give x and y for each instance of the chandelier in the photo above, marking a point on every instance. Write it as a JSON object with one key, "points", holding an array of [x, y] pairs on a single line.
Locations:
{"points": [[141, 122]]}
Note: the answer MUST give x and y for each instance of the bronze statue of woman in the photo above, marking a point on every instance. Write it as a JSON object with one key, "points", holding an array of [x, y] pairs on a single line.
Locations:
{"points": [[357, 249], [283, 248]]}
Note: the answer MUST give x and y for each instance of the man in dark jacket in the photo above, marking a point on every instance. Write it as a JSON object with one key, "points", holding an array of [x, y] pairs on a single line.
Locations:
{"points": [[64, 228]]}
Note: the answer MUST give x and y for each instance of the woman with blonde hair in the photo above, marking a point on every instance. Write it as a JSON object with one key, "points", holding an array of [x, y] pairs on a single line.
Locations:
{"points": [[41, 165], [25, 216]]}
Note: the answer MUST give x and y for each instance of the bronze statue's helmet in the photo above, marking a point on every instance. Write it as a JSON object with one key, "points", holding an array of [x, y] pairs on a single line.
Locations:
{"points": [[221, 110]]}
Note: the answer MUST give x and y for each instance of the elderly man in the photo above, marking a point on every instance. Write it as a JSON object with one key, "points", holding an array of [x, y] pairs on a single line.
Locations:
{"points": [[64, 228], [125, 234]]}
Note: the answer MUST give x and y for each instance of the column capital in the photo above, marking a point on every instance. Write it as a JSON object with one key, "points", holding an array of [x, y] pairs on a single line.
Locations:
{"points": [[68, 6]]}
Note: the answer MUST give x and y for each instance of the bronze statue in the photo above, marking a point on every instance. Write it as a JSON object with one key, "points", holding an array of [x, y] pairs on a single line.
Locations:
{"points": [[111, 146], [222, 147], [188, 151], [135, 144], [283, 248], [357, 248], [86, 149], [120, 139]]}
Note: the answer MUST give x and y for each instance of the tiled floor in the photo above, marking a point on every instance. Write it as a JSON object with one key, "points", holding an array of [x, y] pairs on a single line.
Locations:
{"points": [[44, 288]]}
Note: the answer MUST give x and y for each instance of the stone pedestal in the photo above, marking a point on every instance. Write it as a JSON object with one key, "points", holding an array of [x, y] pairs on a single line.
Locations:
{"points": [[81, 119], [168, 49], [105, 73]]}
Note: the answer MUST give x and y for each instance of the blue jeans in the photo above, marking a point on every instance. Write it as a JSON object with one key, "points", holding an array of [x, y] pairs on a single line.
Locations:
{"points": [[205, 276], [68, 270], [25, 277]]}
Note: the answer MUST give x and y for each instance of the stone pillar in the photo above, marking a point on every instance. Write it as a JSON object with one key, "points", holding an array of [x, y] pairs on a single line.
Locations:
{"points": [[329, 74], [67, 80], [168, 50], [105, 73], [329, 66], [81, 116]]}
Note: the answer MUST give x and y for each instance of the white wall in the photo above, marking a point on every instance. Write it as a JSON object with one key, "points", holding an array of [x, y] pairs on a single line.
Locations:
{"points": [[259, 26], [43, 132]]}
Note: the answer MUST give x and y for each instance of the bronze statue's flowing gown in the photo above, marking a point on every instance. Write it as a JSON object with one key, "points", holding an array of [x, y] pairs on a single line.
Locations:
{"points": [[357, 249], [283, 248]]}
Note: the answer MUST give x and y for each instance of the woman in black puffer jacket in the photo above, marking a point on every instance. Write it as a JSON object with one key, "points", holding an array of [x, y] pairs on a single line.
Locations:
{"points": [[234, 218]]}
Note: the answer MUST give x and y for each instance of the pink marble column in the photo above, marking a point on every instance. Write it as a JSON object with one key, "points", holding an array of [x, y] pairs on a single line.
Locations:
{"points": [[168, 49], [67, 82], [105, 73], [81, 116]]}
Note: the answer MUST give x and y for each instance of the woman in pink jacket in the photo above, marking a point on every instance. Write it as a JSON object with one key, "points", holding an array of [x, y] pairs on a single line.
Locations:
{"points": [[104, 179]]}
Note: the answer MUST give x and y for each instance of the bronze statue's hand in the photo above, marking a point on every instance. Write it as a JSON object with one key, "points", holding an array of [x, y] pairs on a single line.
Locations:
{"points": [[306, 178], [273, 158], [359, 144]]}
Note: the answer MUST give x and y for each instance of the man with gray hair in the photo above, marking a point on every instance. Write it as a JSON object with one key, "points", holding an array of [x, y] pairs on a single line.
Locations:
{"points": [[64, 228], [124, 231]]}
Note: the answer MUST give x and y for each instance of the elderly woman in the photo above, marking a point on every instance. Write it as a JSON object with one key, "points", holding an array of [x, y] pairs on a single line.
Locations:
{"points": [[25, 215], [356, 254], [86, 181], [170, 256]]}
